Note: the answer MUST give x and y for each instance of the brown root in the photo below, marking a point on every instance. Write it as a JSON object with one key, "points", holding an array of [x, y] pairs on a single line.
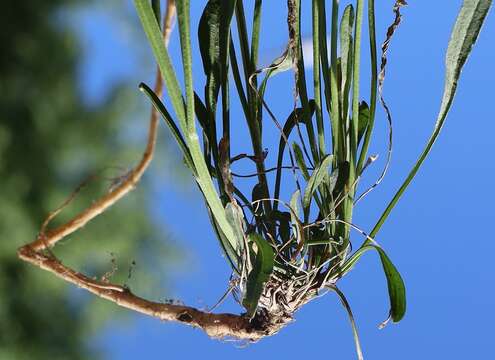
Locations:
{"points": [[38, 253], [218, 326]]}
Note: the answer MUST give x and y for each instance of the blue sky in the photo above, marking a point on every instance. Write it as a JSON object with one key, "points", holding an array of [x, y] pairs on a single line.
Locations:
{"points": [[439, 236]]}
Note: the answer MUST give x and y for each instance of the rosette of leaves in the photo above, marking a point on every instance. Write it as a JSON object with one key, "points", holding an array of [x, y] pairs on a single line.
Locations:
{"points": [[285, 249]]}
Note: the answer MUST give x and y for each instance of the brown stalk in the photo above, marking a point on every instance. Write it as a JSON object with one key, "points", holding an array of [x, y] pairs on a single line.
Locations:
{"points": [[38, 252]]}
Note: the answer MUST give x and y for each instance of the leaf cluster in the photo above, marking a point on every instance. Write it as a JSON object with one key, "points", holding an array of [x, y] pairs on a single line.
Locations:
{"points": [[265, 237]]}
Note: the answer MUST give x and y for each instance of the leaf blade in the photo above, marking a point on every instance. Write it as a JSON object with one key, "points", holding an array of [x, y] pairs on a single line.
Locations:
{"points": [[170, 123], [395, 283], [259, 275], [295, 117], [153, 33], [315, 180], [464, 36]]}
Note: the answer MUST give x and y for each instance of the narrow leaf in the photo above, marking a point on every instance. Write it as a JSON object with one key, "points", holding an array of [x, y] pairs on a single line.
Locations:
{"points": [[294, 214], [284, 219], [315, 180], [364, 118], [209, 46], [235, 217], [290, 124], [395, 284], [230, 252], [203, 179], [153, 32], [201, 112], [464, 36], [347, 307], [214, 36], [155, 4], [346, 43], [259, 275], [170, 123], [298, 153]]}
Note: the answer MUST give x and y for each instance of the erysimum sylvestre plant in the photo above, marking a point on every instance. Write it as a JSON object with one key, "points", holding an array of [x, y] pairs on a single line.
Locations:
{"points": [[284, 249]]}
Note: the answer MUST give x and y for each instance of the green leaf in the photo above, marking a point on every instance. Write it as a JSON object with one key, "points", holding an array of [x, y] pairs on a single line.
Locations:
{"points": [[297, 116], [236, 74], [209, 46], [315, 180], [185, 113], [170, 123], [332, 180], [356, 71], [225, 243], [373, 85], [296, 52], [317, 9], [364, 118], [155, 4], [255, 35], [235, 217], [214, 43], [347, 307], [332, 93], [245, 202], [323, 36], [464, 36], [208, 144], [203, 178], [300, 160], [395, 284], [153, 32], [341, 180], [214, 36], [396, 287], [284, 219], [346, 43], [201, 112], [294, 214], [259, 275]]}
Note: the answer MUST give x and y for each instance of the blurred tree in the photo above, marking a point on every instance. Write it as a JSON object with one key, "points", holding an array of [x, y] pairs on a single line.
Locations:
{"points": [[49, 141]]}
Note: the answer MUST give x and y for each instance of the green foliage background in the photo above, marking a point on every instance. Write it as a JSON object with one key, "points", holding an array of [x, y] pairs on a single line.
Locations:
{"points": [[50, 142]]}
